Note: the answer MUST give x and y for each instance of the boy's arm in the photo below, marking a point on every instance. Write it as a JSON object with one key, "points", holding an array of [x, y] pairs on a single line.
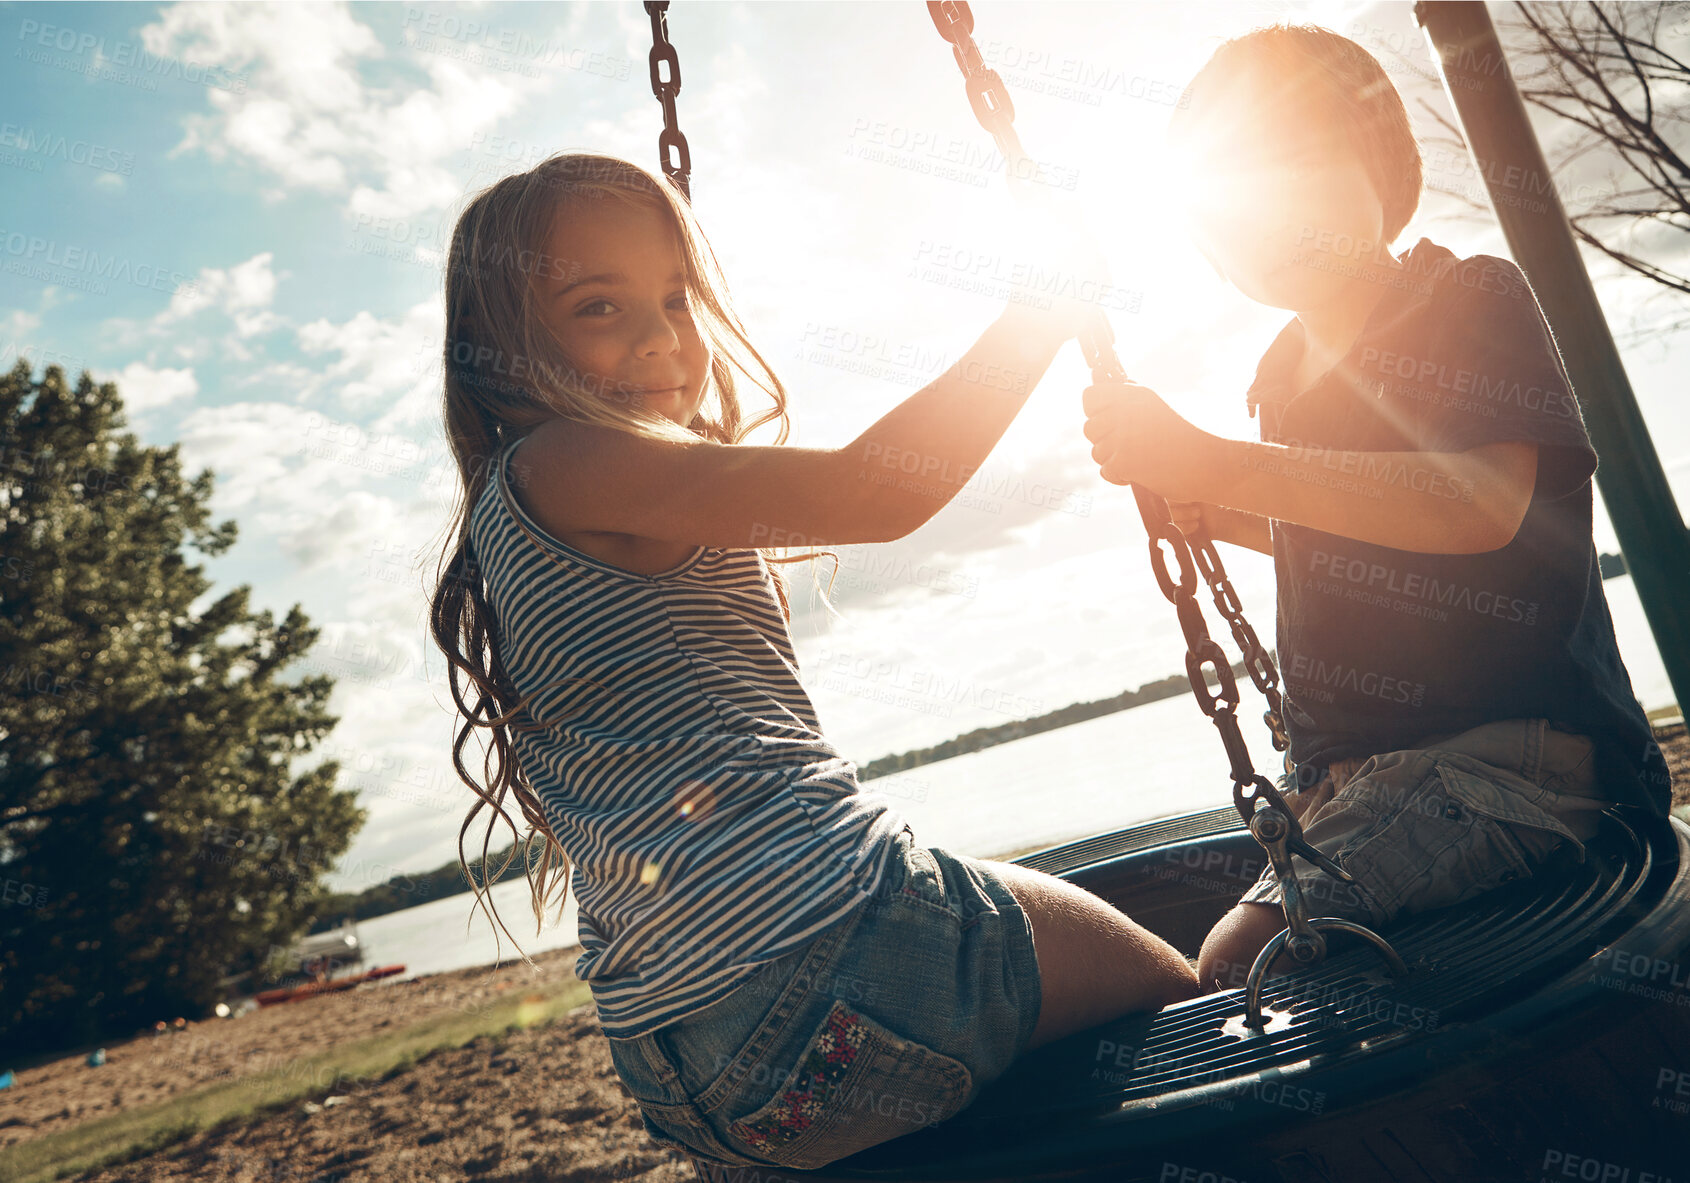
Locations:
{"points": [[1222, 524], [1434, 502], [1431, 502]]}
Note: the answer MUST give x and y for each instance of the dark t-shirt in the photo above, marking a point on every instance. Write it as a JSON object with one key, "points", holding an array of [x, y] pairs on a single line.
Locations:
{"points": [[1379, 648]]}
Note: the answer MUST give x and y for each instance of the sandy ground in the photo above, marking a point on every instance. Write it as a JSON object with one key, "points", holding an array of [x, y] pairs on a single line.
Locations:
{"points": [[547, 1105], [541, 1104], [148, 1069], [544, 1105]]}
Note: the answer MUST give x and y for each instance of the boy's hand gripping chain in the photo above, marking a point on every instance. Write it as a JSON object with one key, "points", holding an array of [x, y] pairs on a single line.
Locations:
{"points": [[1258, 802]]}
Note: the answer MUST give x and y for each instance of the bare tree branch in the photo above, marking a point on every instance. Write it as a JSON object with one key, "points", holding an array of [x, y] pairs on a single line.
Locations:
{"points": [[1601, 69]]}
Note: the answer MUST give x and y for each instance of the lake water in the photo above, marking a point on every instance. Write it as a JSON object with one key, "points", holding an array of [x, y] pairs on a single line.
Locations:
{"points": [[1106, 773]]}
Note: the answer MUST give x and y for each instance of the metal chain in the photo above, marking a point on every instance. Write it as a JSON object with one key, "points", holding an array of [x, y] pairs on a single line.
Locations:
{"points": [[992, 107], [955, 22], [671, 144], [1270, 820], [1257, 662]]}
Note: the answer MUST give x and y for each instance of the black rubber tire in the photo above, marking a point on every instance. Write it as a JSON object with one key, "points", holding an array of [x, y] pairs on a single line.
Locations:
{"points": [[1561, 1020]]}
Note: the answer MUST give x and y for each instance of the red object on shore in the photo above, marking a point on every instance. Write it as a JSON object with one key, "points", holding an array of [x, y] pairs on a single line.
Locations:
{"points": [[310, 989]]}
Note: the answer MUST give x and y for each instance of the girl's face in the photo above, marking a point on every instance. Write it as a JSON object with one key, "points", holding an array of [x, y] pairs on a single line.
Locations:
{"points": [[612, 287], [1292, 226]]}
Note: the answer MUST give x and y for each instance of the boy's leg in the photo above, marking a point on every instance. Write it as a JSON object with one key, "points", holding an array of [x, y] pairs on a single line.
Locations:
{"points": [[1231, 946], [1094, 962], [1426, 828]]}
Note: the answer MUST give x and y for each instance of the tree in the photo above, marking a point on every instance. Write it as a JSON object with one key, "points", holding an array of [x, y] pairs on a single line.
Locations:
{"points": [[152, 834], [1612, 76], [1604, 69]]}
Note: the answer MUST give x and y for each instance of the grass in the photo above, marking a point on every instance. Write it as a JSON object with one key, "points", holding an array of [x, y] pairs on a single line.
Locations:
{"points": [[136, 1133]]}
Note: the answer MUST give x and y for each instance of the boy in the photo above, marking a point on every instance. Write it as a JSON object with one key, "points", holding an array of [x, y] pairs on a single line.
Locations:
{"points": [[1456, 703]]}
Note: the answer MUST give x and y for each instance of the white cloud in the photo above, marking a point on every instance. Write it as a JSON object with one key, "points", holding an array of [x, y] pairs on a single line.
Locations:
{"points": [[390, 363], [254, 448], [19, 324], [146, 388], [310, 118], [244, 292], [299, 483]]}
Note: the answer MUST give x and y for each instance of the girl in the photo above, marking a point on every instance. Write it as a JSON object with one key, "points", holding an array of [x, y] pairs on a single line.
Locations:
{"points": [[785, 977]]}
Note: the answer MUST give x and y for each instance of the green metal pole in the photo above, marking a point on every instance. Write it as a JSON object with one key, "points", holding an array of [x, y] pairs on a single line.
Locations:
{"points": [[1522, 192]]}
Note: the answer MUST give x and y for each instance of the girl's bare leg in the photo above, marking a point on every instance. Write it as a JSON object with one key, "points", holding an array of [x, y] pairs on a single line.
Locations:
{"points": [[1094, 962]]}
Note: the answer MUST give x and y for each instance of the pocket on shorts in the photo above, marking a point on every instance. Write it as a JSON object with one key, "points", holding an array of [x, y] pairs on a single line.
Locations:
{"points": [[1529, 832], [924, 882], [1446, 829], [856, 1084]]}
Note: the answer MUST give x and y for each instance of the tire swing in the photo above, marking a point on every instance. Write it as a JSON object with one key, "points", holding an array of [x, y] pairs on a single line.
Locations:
{"points": [[1539, 1031]]}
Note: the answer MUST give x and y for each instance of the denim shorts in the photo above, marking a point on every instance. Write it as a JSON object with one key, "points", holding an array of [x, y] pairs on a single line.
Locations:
{"points": [[1432, 826], [888, 1022]]}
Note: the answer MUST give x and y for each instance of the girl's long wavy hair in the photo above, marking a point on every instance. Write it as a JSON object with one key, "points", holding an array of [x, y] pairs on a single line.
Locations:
{"points": [[505, 373]]}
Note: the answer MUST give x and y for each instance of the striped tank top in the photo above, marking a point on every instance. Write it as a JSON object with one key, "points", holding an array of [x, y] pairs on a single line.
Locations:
{"points": [[682, 768]]}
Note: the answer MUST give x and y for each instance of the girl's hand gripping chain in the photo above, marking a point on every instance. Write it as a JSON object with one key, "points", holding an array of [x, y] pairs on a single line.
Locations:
{"points": [[1140, 440]]}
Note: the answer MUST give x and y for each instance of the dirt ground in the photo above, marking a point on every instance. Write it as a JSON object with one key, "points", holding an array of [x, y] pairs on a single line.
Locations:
{"points": [[546, 1105], [148, 1069]]}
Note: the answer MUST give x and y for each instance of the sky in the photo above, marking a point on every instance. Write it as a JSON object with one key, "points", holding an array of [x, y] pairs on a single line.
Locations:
{"points": [[277, 185]]}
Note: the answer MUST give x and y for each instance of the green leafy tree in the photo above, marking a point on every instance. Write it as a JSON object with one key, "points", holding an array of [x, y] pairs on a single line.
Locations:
{"points": [[152, 833]]}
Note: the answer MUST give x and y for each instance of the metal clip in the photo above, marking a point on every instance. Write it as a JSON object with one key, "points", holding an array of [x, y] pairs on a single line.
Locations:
{"points": [[1273, 825]]}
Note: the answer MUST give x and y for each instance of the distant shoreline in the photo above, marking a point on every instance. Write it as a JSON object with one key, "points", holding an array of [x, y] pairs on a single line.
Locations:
{"points": [[988, 737]]}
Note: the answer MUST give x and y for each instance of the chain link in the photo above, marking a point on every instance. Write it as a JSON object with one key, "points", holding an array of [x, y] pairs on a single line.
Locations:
{"points": [[1257, 661], [986, 94], [671, 144], [955, 22], [1257, 801]]}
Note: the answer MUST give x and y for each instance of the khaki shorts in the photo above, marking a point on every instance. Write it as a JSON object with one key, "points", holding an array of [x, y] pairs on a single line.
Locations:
{"points": [[1433, 826]]}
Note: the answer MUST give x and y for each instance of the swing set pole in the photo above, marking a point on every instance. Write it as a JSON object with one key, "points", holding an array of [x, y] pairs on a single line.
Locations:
{"points": [[1634, 486]]}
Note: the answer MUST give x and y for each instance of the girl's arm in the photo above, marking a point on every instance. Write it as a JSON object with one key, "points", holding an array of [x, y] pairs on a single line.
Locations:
{"points": [[573, 476]]}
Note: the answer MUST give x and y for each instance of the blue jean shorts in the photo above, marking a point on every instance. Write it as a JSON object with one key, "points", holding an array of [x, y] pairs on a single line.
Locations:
{"points": [[889, 1022], [1433, 826]]}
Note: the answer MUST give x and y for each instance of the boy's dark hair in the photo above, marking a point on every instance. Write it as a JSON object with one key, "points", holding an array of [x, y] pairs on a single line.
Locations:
{"points": [[1322, 77]]}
